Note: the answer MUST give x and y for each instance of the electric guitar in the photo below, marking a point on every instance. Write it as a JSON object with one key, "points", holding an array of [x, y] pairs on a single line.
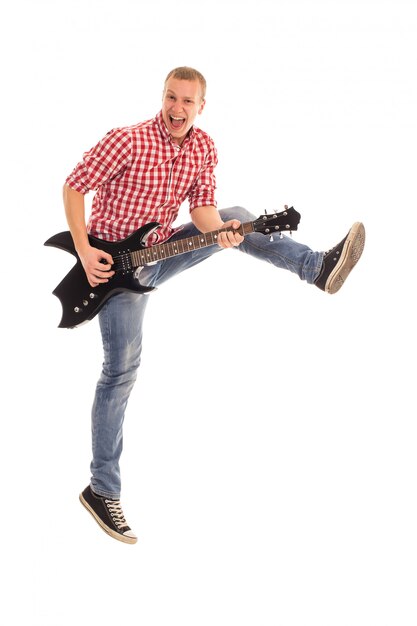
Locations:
{"points": [[81, 302]]}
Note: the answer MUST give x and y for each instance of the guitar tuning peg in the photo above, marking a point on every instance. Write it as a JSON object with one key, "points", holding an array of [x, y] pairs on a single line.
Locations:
{"points": [[271, 238]]}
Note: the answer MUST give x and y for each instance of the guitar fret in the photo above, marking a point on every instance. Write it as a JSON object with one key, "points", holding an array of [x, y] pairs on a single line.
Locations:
{"points": [[211, 237], [247, 228]]}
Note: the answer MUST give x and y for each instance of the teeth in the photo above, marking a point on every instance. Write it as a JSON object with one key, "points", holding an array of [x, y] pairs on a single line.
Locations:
{"points": [[178, 119]]}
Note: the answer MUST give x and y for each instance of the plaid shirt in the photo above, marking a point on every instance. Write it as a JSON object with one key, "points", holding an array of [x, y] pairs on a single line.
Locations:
{"points": [[140, 175]]}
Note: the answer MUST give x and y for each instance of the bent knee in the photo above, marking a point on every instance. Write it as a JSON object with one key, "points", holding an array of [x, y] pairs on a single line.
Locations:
{"points": [[236, 213]]}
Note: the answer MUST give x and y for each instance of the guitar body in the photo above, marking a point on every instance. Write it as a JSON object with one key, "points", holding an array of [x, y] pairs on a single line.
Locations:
{"points": [[81, 302]]}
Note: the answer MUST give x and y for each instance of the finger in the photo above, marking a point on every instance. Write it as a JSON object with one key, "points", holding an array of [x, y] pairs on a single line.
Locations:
{"points": [[227, 239], [98, 276], [95, 281], [103, 267], [234, 238], [106, 256], [100, 272], [222, 241], [101, 263]]}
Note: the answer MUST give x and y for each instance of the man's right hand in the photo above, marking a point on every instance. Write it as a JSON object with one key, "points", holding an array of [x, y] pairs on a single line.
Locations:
{"points": [[97, 265]]}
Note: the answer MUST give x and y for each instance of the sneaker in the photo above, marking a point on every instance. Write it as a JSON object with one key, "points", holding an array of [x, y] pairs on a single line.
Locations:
{"points": [[108, 514], [340, 260]]}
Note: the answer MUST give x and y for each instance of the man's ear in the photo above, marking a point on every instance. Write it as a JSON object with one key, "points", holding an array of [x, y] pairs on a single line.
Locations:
{"points": [[202, 105]]}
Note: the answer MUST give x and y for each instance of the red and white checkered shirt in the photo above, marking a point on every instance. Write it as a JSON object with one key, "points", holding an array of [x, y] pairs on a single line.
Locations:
{"points": [[140, 175]]}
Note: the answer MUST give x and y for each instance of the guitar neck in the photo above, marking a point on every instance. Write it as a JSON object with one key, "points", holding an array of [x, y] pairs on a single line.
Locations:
{"points": [[181, 246]]}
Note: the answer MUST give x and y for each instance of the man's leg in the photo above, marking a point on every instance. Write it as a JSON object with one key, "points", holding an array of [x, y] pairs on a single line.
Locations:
{"points": [[121, 321], [121, 328], [327, 270]]}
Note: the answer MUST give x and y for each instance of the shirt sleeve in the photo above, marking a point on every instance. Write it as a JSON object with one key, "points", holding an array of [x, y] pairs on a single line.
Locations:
{"points": [[103, 162], [202, 192]]}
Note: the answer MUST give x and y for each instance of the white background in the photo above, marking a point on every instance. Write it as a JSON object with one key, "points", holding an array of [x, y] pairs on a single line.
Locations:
{"points": [[270, 463]]}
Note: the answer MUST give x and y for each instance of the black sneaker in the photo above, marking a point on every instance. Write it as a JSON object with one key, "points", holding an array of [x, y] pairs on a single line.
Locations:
{"points": [[340, 260], [108, 514]]}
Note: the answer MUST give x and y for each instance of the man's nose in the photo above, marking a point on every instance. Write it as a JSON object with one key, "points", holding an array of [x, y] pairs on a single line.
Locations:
{"points": [[177, 108]]}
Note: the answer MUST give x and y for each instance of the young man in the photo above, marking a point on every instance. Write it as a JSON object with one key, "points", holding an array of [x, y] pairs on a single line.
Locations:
{"points": [[142, 174]]}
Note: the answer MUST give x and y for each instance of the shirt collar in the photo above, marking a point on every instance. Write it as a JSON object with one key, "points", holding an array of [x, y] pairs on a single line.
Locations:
{"points": [[166, 135]]}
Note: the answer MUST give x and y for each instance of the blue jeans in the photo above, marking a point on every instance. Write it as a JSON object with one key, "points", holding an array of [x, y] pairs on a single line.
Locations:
{"points": [[121, 328]]}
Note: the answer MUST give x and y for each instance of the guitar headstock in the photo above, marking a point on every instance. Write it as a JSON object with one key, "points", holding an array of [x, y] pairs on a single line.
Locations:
{"points": [[286, 221]]}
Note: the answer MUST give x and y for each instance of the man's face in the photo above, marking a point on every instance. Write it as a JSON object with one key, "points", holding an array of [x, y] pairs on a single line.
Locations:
{"points": [[181, 103]]}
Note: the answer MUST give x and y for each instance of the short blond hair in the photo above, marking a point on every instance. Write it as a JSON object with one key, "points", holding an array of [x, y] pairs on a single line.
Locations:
{"points": [[188, 73]]}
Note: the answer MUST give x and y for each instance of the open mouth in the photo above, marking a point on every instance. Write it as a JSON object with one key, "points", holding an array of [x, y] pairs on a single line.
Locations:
{"points": [[177, 122]]}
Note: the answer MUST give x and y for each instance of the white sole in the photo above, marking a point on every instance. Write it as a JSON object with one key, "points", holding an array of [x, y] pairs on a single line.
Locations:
{"points": [[350, 255]]}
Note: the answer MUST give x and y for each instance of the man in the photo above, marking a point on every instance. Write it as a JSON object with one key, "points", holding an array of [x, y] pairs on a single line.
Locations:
{"points": [[142, 174]]}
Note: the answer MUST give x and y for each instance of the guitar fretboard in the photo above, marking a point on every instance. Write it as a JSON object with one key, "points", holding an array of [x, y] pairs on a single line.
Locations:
{"points": [[181, 246]]}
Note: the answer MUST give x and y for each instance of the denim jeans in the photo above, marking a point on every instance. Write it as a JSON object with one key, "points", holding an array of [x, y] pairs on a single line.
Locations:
{"points": [[121, 328]]}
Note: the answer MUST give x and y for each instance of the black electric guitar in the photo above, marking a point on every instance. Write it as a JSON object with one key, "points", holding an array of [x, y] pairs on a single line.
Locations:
{"points": [[81, 302]]}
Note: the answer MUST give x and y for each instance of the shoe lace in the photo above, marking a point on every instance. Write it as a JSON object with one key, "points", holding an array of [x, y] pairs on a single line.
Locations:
{"points": [[116, 512], [337, 253]]}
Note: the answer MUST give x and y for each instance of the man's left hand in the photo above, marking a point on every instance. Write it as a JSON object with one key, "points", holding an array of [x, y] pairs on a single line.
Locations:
{"points": [[231, 238]]}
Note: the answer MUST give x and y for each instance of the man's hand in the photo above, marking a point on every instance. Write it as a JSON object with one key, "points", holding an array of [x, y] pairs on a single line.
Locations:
{"points": [[97, 265], [230, 239]]}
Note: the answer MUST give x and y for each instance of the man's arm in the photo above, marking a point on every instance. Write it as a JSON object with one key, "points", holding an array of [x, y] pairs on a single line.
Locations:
{"points": [[207, 218], [90, 257]]}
